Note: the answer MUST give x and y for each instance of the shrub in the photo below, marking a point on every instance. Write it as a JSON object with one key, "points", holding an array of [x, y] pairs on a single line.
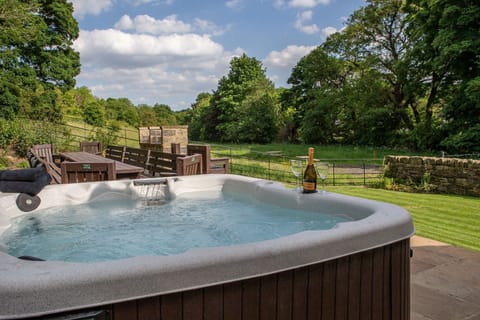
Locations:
{"points": [[21, 134], [4, 163], [107, 136]]}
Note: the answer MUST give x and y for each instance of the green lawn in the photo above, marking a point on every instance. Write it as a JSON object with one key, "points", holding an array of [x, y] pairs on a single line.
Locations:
{"points": [[321, 151], [447, 218]]}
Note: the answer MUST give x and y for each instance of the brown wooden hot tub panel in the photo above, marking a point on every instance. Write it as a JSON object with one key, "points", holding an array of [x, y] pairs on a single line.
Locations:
{"points": [[369, 285]]}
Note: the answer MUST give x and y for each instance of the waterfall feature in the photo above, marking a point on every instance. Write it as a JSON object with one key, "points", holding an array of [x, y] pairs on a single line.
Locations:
{"points": [[155, 191]]}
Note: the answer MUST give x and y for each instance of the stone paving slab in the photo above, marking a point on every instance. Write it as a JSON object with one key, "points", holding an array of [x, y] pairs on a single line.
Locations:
{"points": [[445, 281]]}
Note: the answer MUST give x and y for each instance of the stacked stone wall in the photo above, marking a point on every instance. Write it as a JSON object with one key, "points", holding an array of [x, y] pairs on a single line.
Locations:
{"points": [[443, 175]]}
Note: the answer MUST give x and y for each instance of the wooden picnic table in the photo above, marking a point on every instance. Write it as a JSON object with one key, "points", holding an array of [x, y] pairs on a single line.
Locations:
{"points": [[123, 170]]}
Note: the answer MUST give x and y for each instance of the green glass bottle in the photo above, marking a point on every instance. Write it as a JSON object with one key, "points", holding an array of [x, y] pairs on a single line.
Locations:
{"points": [[310, 175]]}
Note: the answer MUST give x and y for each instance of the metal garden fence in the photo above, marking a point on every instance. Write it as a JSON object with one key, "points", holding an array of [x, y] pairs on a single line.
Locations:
{"points": [[275, 166]]}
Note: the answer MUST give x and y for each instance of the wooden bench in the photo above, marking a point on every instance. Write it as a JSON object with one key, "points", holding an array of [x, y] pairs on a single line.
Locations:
{"points": [[115, 153], [162, 163], [157, 163], [210, 165], [94, 147], [136, 157]]}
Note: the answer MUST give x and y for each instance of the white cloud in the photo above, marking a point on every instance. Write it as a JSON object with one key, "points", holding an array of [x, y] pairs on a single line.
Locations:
{"points": [[307, 3], [169, 25], [209, 27], [233, 4], [299, 3], [150, 25], [279, 64], [150, 69], [279, 3], [112, 46], [288, 57], [328, 31], [302, 19], [86, 7], [125, 23], [301, 25], [140, 2]]}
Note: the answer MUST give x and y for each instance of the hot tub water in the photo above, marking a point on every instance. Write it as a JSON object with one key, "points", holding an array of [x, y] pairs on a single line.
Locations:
{"points": [[108, 230]]}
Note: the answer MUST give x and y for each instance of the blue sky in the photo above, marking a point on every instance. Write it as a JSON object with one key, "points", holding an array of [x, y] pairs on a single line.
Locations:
{"points": [[168, 51]]}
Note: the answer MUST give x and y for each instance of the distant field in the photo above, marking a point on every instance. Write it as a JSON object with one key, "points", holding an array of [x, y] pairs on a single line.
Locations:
{"points": [[321, 151], [81, 131]]}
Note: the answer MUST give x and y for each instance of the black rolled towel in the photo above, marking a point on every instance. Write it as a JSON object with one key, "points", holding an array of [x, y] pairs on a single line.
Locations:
{"points": [[29, 187], [30, 174]]}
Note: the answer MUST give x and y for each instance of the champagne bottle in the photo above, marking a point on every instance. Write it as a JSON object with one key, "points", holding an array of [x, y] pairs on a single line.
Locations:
{"points": [[310, 175]]}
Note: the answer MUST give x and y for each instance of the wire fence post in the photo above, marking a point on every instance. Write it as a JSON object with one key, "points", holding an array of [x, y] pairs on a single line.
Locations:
{"points": [[364, 175], [231, 160], [333, 173], [268, 176]]}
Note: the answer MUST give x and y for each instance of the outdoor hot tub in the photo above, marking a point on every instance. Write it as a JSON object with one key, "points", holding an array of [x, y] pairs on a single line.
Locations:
{"points": [[360, 267]]}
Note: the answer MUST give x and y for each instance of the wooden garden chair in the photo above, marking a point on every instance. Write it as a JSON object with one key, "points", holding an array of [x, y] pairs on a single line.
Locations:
{"points": [[189, 165], [74, 172], [209, 165], [94, 147]]}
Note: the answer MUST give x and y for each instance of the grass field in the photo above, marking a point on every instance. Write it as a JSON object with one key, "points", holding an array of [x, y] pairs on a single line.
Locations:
{"points": [[81, 131], [447, 218], [321, 151]]}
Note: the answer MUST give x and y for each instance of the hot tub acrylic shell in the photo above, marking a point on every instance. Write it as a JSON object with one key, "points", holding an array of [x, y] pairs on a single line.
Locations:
{"points": [[30, 288]]}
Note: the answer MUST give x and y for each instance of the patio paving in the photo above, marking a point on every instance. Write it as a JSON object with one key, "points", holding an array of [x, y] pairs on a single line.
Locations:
{"points": [[445, 281]]}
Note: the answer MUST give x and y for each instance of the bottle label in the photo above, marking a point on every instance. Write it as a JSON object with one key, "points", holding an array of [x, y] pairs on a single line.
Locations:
{"points": [[308, 186]]}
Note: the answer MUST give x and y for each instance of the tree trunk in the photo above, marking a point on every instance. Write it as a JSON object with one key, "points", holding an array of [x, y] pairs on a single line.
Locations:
{"points": [[431, 99]]}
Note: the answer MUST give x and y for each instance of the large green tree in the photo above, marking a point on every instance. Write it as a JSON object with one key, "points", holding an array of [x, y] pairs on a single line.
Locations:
{"points": [[237, 103], [258, 115], [122, 109], [200, 111], [448, 49], [36, 56], [315, 81], [376, 47], [164, 115], [378, 32], [147, 116]]}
